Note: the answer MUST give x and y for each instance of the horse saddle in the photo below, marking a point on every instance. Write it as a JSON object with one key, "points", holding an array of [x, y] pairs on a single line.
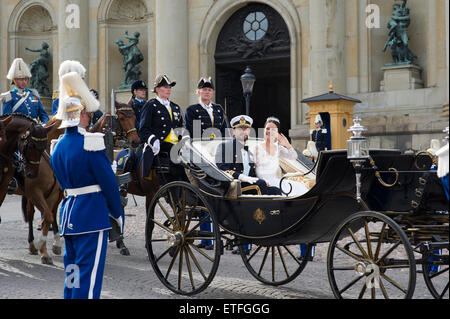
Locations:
{"points": [[129, 160]]}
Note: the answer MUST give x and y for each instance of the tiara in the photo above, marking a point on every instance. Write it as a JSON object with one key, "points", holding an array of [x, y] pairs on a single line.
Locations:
{"points": [[273, 119]]}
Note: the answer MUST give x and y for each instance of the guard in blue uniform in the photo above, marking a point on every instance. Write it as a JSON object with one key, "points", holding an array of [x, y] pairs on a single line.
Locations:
{"points": [[21, 99], [139, 98], [90, 189], [318, 135], [161, 120], [24, 101], [206, 115]]}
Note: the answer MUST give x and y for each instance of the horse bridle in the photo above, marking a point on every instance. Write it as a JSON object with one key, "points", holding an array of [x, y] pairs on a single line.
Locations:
{"points": [[27, 139], [122, 132]]}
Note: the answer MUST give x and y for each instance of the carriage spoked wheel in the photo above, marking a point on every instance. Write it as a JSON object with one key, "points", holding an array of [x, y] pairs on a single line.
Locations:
{"points": [[174, 218], [436, 273], [370, 256], [274, 265]]}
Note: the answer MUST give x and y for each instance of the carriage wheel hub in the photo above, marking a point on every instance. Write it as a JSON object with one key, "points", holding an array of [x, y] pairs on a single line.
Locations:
{"points": [[365, 269], [175, 239], [360, 268]]}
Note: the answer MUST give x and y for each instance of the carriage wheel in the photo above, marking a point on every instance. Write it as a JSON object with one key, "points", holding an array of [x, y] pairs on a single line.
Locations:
{"points": [[172, 234], [274, 265], [436, 274], [370, 257]]}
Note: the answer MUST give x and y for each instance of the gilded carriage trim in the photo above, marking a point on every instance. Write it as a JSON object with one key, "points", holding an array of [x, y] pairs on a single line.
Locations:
{"points": [[259, 216]]}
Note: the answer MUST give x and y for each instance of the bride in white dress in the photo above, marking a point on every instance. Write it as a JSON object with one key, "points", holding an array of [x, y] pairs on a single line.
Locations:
{"points": [[268, 155]]}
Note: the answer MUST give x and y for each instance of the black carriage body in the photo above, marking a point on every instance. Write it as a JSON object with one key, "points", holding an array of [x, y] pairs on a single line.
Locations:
{"points": [[314, 216], [417, 190]]}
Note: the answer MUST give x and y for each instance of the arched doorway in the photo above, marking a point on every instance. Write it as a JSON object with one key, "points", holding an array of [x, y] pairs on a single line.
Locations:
{"points": [[255, 35]]}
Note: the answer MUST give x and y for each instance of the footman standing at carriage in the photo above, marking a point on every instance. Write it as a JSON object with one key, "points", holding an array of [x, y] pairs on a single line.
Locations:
{"points": [[91, 192], [161, 121], [210, 117]]}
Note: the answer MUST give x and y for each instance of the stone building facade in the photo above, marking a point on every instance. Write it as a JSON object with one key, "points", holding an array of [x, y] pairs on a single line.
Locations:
{"points": [[295, 47]]}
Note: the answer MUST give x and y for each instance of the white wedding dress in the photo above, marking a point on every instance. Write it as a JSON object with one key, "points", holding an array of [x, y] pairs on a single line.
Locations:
{"points": [[267, 168]]}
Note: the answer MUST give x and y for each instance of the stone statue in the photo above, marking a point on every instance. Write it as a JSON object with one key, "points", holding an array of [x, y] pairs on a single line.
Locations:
{"points": [[397, 36], [39, 70], [132, 57]]}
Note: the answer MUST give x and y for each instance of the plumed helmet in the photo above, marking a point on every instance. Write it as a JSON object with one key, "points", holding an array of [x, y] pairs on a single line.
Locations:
{"points": [[71, 66], [18, 70], [75, 97]]}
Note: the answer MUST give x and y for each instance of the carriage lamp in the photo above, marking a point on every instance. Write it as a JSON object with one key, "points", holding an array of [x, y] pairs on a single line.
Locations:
{"points": [[357, 145], [357, 152], [248, 81]]}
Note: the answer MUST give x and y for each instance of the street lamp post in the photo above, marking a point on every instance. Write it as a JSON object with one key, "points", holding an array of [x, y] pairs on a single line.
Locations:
{"points": [[247, 80]]}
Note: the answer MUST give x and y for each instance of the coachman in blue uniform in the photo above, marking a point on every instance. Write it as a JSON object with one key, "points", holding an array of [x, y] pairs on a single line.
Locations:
{"points": [[21, 99], [206, 115], [161, 120], [90, 188]]}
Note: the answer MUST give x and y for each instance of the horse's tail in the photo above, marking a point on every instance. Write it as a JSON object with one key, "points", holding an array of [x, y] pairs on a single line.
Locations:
{"points": [[24, 209]]}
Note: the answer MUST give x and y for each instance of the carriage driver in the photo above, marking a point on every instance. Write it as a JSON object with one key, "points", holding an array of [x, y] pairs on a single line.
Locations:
{"points": [[161, 121], [91, 192]]}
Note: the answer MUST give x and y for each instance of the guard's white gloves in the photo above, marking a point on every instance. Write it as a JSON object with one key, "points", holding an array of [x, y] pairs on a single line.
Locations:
{"points": [[154, 144], [248, 179], [114, 166]]}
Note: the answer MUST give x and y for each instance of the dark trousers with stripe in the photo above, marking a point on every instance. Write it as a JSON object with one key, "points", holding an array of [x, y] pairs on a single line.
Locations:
{"points": [[84, 262]]}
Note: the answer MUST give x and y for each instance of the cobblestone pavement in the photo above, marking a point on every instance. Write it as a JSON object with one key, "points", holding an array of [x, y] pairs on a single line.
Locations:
{"points": [[131, 277]]}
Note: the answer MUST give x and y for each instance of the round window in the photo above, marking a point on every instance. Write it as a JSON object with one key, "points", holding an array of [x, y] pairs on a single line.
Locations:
{"points": [[255, 26]]}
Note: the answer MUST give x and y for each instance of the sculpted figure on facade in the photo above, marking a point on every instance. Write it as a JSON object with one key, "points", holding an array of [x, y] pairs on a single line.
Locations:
{"points": [[397, 37], [39, 70], [132, 57]]}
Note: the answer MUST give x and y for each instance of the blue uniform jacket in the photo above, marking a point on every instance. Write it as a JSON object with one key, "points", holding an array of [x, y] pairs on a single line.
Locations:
{"points": [[55, 105], [31, 107], [74, 167]]}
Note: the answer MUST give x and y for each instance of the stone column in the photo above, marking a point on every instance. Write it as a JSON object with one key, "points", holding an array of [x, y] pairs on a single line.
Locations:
{"points": [[171, 46], [73, 37], [327, 36]]}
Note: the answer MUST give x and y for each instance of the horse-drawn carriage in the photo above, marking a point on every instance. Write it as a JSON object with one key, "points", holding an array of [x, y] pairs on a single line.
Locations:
{"points": [[379, 229]]}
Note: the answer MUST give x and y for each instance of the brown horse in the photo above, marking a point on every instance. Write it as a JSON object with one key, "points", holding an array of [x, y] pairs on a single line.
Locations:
{"points": [[123, 125], [44, 193], [30, 139]]}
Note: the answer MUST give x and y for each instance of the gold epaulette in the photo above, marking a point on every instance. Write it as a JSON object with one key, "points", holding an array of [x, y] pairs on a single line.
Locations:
{"points": [[55, 95]]}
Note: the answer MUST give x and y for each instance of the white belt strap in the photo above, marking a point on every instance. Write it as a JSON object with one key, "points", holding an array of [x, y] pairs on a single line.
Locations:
{"points": [[82, 190], [18, 104]]}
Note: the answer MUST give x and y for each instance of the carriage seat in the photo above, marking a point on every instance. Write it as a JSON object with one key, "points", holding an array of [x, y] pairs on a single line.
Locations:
{"points": [[208, 151]]}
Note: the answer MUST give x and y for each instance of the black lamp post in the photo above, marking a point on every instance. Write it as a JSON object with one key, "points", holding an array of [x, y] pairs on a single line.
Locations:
{"points": [[247, 80]]}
